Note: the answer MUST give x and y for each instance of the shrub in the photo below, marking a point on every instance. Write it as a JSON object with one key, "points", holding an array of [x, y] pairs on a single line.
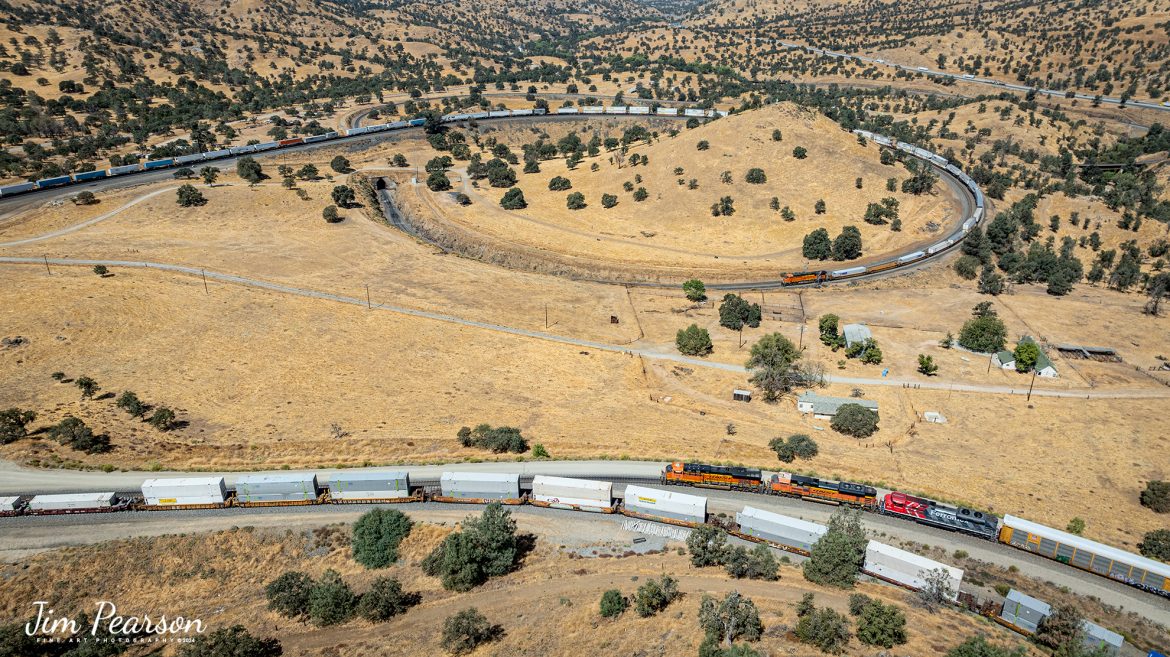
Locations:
{"points": [[384, 600], [797, 446], [857, 603], [1156, 545], [1076, 526], [330, 214], [498, 439], [881, 625], [129, 402], [234, 641], [376, 536], [559, 184], [734, 617], [936, 591], [985, 333], [613, 603], [756, 176], [655, 595], [707, 545], [462, 199], [693, 341], [703, 145], [926, 365], [855, 420], [486, 547], [967, 267], [467, 630], [87, 198], [575, 201], [438, 182], [14, 424], [756, 564], [189, 197], [513, 200], [74, 433], [777, 135], [340, 164], [1156, 496], [824, 628], [288, 595], [331, 601], [979, 647], [800, 152], [1061, 630], [162, 419], [539, 452], [608, 200], [641, 194], [309, 172], [836, 557], [695, 290]]}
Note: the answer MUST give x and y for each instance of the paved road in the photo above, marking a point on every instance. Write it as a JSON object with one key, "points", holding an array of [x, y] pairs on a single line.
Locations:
{"points": [[31, 533]]}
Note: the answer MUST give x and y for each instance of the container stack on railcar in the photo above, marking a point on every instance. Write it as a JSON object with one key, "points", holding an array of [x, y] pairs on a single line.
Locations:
{"points": [[784, 532], [479, 487], [11, 506], [184, 493], [906, 569], [291, 489], [576, 494], [76, 503], [370, 487], [664, 506]]}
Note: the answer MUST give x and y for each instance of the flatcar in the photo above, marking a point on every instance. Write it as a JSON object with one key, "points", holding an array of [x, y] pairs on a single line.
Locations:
{"points": [[817, 490], [713, 476], [803, 277], [935, 514]]}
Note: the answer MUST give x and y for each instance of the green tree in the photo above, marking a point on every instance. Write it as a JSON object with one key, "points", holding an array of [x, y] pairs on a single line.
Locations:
{"points": [[559, 184], [825, 629], [438, 182], [340, 164], [755, 564], [707, 546], [162, 419], [249, 169], [234, 641], [756, 176], [655, 595], [308, 172], [695, 290], [73, 432], [486, 547], [575, 201], [608, 200], [820, 207], [129, 402], [855, 420], [1062, 631], [703, 145], [777, 135], [343, 196], [693, 341], [641, 194], [979, 647], [800, 152], [467, 630], [613, 603], [967, 267], [733, 617], [735, 313], [847, 245], [773, 366], [881, 625], [926, 365], [330, 214], [513, 200], [183, 173], [209, 174], [384, 600], [331, 601], [189, 197], [14, 424], [376, 536], [288, 594], [1026, 355], [399, 161], [835, 559], [1156, 544], [88, 386], [936, 590], [984, 333], [87, 198], [990, 282], [798, 445], [1156, 496], [830, 334]]}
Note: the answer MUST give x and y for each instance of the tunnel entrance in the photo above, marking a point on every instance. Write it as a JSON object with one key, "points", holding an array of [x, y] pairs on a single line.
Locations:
{"points": [[380, 185]]}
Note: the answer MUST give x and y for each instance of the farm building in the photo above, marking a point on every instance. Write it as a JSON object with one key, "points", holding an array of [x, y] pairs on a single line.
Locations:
{"points": [[826, 407], [856, 333], [1007, 361]]}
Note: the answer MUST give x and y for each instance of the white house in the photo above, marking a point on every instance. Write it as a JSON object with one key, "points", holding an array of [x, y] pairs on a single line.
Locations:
{"points": [[824, 408]]}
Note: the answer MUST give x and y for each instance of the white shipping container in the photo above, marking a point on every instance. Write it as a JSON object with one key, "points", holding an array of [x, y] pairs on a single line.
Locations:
{"points": [[592, 109], [694, 112], [369, 485], [566, 110], [655, 502], [184, 490], [72, 501], [8, 503], [639, 109], [615, 109], [667, 111], [783, 530], [485, 485], [572, 492], [906, 568]]}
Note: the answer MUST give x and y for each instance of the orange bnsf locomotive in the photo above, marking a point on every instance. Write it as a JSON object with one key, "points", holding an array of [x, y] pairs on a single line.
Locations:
{"points": [[819, 490], [714, 476]]}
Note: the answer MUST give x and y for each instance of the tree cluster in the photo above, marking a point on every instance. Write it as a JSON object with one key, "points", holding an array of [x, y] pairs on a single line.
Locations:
{"points": [[496, 439]]}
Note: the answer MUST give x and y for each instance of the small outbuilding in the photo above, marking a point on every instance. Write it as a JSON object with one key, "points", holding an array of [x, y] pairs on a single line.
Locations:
{"points": [[855, 333], [825, 408], [741, 395], [1043, 367]]}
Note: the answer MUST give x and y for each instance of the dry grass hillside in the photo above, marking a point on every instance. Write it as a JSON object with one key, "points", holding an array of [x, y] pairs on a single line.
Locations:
{"points": [[674, 225], [547, 607]]}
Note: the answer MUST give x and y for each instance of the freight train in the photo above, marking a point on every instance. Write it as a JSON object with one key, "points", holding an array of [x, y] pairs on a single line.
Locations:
{"points": [[819, 277], [673, 507], [197, 158]]}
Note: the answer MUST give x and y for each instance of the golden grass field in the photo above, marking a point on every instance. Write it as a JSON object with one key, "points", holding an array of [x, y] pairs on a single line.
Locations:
{"points": [[548, 607]]}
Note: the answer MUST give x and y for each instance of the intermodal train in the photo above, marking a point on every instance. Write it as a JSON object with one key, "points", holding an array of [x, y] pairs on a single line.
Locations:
{"points": [[376, 487], [195, 158], [818, 277]]}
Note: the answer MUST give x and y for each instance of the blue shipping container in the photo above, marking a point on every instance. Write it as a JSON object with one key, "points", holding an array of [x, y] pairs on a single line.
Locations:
{"points": [[89, 175], [156, 164], [417, 122], [53, 182]]}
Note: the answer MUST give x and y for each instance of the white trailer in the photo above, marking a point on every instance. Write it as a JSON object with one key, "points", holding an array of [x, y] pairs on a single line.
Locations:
{"points": [[667, 111], [906, 568], [665, 504], [8, 504], [567, 110], [73, 502], [566, 493], [791, 534], [639, 109], [183, 491], [592, 109], [616, 109], [480, 486], [694, 112], [349, 486]]}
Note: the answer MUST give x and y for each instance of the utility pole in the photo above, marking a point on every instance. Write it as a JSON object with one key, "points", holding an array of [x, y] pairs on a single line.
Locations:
{"points": [[546, 315], [204, 273], [369, 304], [1031, 384], [47, 265], [989, 363]]}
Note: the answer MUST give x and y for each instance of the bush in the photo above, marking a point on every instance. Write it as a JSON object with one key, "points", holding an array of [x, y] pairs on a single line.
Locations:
{"points": [[655, 595], [613, 603], [288, 595], [384, 600], [330, 214], [575, 201], [734, 617], [486, 547], [376, 536], [189, 197], [825, 629], [967, 267], [513, 200], [1156, 496], [835, 559], [707, 545], [985, 333], [234, 641], [14, 424], [855, 420], [87, 198], [979, 647], [1061, 630], [608, 200], [1156, 545], [1076, 526], [498, 439], [756, 176], [74, 433], [331, 601], [800, 152], [926, 365], [857, 603], [539, 452], [467, 630], [559, 184], [162, 419], [340, 164], [695, 290], [438, 182], [797, 446], [936, 591], [129, 402], [756, 564], [703, 145], [641, 194], [693, 341], [881, 625]]}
